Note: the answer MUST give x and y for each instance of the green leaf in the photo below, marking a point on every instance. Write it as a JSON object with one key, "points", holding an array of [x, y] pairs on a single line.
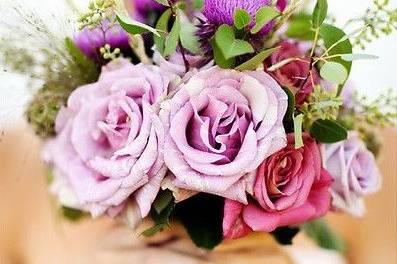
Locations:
{"points": [[228, 44], [324, 236], [171, 42], [202, 216], [257, 60], [162, 2], [161, 220], [284, 235], [334, 72], [77, 55], [331, 35], [241, 18], [220, 59], [163, 199], [72, 214], [328, 131], [134, 27], [289, 115], [162, 26], [188, 37], [298, 120], [263, 16], [319, 13], [352, 57], [300, 27]]}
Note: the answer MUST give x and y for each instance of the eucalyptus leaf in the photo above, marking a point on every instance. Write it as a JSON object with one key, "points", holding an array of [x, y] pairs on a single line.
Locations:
{"points": [[331, 35], [257, 60], [171, 42], [134, 27], [334, 72], [328, 131], [162, 26], [357, 56], [241, 18], [319, 13], [228, 44], [263, 16]]}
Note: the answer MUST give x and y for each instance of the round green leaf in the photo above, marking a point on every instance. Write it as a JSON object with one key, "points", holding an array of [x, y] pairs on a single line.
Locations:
{"points": [[334, 72], [328, 131], [241, 18]]}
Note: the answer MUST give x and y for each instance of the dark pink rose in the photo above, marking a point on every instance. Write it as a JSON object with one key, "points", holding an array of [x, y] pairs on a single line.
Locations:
{"points": [[293, 74], [291, 187]]}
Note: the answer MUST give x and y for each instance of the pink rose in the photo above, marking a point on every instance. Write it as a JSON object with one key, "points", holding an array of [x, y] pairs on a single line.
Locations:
{"points": [[293, 74], [109, 142], [290, 188], [355, 173], [222, 124]]}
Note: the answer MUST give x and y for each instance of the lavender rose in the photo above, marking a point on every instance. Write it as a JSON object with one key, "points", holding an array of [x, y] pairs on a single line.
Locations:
{"points": [[355, 173], [222, 124], [109, 143]]}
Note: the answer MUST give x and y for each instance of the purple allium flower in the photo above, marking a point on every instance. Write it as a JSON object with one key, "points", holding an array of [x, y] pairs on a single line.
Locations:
{"points": [[90, 41]]}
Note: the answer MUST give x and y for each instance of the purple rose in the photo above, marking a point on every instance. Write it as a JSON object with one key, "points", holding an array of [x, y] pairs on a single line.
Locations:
{"points": [[110, 140], [90, 41], [222, 124], [355, 173]]}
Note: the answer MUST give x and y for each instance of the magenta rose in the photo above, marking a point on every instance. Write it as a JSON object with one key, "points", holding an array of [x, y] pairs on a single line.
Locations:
{"points": [[355, 173], [291, 187], [110, 140], [293, 74], [222, 124]]}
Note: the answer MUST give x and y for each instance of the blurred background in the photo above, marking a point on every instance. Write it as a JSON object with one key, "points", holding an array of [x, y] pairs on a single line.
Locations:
{"points": [[32, 232]]}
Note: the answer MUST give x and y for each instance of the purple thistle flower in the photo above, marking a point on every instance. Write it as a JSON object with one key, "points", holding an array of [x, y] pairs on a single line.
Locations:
{"points": [[144, 8], [90, 41], [218, 12]]}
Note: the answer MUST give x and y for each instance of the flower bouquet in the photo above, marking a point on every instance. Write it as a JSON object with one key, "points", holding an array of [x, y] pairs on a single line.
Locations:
{"points": [[227, 116]]}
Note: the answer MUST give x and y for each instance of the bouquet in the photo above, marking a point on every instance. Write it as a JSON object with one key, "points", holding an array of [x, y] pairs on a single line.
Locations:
{"points": [[227, 116]]}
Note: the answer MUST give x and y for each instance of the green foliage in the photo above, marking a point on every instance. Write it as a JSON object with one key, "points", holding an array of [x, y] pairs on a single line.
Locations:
{"points": [[300, 27], [328, 131], [202, 217], [334, 72], [336, 42], [229, 46], [322, 234], [162, 26], [98, 11], [162, 2], [72, 214], [76, 70], [321, 104], [253, 63], [285, 235], [163, 208], [298, 121], [263, 16], [220, 60], [379, 20], [134, 27], [172, 40], [188, 38], [319, 13], [241, 18]]}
